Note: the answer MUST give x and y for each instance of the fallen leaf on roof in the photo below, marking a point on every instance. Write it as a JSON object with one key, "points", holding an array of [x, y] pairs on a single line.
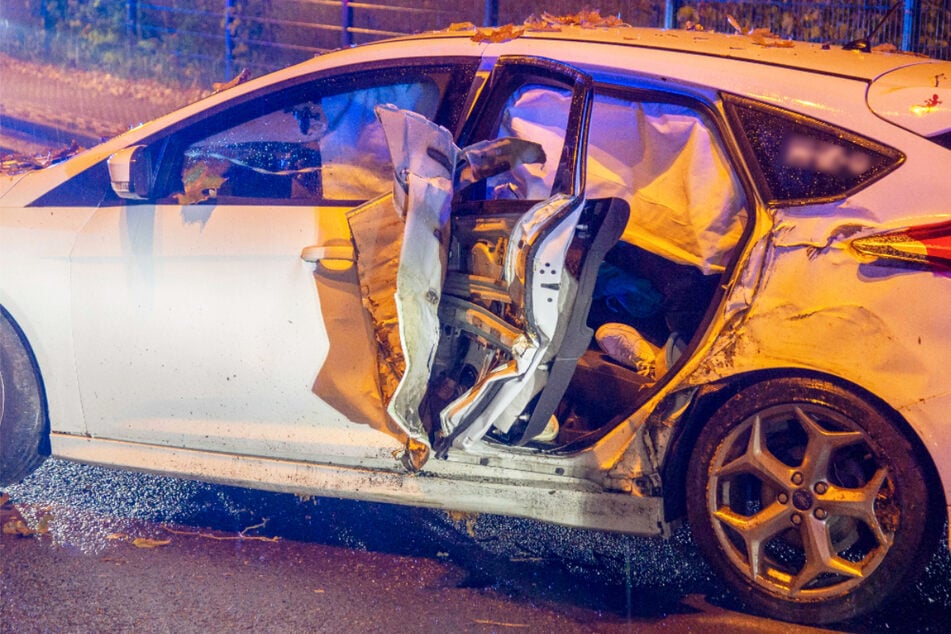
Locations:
{"points": [[461, 26], [500, 34], [240, 78], [584, 18], [145, 542], [765, 37], [735, 24], [535, 23], [885, 47]]}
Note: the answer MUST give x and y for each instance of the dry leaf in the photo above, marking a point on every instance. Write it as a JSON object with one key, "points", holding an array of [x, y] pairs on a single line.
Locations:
{"points": [[468, 519], [201, 183], [17, 527], [461, 26], [535, 23], [240, 78], [500, 34], [145, 542], [765, 37], [588, 19]]}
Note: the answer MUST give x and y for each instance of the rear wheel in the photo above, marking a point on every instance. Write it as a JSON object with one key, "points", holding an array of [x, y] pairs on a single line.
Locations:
{"points": [[24, 437], [811, 504]]}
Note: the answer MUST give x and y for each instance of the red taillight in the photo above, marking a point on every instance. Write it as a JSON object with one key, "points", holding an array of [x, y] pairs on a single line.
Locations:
{"points": [[928, 244]]}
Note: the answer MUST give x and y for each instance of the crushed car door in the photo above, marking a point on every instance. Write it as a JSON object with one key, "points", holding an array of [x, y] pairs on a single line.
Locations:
{"points": [[208, 312], [495, 258]]}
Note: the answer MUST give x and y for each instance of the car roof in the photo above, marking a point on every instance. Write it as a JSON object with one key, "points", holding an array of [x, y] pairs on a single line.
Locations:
{"points": [[829, 59]]}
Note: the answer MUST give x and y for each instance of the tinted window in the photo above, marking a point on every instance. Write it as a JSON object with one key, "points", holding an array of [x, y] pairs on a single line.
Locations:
{"points": [[803, 160]]}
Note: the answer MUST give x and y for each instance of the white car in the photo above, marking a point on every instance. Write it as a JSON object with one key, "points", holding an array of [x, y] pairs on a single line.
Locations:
{"points": [[608, 278]]}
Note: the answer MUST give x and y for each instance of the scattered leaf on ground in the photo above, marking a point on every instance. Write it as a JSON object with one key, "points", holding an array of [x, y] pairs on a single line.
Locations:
{"points": [[468, 519], [499, 623], [17, 527], [145, 542]]}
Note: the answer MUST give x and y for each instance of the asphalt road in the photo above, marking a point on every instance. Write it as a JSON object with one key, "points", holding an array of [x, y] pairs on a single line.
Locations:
{"points": [[222, 559]]}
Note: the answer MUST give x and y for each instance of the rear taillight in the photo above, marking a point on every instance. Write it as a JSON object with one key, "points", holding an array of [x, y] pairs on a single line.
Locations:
{"points": [[929, 245]]}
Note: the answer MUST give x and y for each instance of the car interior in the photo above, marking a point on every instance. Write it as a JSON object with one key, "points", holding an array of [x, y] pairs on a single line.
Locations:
{"points": [[663, 215]]}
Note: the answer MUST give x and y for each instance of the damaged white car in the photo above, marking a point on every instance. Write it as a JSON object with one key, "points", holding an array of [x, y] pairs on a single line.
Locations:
{"points": [[608, 278]]}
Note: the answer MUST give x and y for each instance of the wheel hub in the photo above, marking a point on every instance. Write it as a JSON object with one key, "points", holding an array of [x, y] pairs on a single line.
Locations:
{"points": [[802, 499]]}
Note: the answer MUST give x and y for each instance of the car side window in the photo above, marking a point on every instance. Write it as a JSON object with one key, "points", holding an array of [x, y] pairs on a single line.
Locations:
{"points": [[314, 147], [665, 159], [801, 160], [535, 113]]}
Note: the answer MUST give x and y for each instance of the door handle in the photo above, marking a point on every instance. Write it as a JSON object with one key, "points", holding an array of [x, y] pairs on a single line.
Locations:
{"points": [[319, 252]]}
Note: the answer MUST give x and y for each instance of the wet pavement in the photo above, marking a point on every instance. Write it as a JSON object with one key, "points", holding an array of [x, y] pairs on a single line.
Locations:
{"points": [[108, 550]]}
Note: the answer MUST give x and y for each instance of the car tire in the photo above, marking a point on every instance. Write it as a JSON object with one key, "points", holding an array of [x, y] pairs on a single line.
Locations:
{"points": [[24, 434], [811, 503]]}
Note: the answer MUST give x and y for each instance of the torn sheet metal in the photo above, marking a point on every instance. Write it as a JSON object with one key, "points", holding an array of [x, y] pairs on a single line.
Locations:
{"points": [[424, 159], [427, 167], [507, 391], [377, 231]]}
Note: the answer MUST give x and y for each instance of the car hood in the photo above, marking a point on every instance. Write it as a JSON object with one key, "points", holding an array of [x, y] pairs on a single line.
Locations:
{"points": [[915, 97]]}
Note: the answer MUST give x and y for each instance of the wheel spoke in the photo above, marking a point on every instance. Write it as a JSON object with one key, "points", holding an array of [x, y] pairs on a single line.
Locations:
{"points": [[758, 460], [821, 556], [822, 445], [859, 503], [756, 530]]}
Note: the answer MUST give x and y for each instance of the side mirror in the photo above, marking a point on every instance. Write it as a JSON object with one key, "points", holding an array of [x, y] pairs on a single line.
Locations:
{"points": [[130, 172]]}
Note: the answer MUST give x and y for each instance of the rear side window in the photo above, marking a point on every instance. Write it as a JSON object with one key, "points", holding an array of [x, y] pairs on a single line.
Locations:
{"points": [[801, 160]]}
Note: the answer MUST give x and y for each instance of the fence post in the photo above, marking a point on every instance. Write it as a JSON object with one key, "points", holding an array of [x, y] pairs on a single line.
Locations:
{"points": [[669, 14], [491, 17], [131, 19], [229, 41], [346, 21], [909, 27]]}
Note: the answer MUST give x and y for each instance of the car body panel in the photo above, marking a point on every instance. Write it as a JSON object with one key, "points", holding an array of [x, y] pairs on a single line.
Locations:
{"points": [[917, 97]]}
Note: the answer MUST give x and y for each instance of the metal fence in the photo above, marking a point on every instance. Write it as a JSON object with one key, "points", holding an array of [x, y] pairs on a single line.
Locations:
{"points": [[199, 41]]}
